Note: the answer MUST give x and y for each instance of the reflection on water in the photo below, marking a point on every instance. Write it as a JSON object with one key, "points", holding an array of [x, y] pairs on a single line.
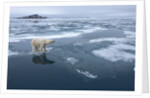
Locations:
{"points": [[41, 59]]}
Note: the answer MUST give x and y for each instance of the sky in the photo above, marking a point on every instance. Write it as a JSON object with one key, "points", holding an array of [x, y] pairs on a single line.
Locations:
{"points": [[106, 11]]}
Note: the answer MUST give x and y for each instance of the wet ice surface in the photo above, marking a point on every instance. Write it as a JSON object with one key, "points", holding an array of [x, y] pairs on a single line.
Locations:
{"points": [[89, 54]]}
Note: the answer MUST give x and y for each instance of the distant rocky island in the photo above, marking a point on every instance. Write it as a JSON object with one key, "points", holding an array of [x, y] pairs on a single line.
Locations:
{"points": [[34, 16]]}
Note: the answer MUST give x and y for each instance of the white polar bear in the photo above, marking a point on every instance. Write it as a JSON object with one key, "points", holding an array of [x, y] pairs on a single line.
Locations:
{"points": [[36, 43]]}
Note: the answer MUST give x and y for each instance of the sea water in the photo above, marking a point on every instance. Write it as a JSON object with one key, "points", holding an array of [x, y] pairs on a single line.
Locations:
{"points": [[89, 54]]}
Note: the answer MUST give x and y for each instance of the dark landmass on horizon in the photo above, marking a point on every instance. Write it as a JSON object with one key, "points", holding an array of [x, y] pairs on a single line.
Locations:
{"points": [[34, 16]]}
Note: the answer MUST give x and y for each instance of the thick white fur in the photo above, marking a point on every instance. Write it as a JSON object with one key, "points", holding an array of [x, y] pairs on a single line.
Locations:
{"points": [[36, 43]]}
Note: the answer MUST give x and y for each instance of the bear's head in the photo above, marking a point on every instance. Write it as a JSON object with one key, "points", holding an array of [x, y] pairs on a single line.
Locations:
{"points": [[49, 41]]}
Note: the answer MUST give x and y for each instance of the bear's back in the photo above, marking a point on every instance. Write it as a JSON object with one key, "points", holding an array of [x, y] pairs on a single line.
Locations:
{"points": [[37, 41]]}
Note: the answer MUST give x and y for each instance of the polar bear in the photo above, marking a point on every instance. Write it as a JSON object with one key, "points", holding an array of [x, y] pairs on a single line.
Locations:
{"points": [[36, 43]]}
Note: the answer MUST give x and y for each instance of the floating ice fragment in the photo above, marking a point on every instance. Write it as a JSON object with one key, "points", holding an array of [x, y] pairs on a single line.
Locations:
{"points": [[87, 74]]}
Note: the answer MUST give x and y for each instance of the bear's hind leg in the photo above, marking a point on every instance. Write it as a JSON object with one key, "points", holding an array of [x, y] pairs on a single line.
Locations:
{"points": [[34, 48]]}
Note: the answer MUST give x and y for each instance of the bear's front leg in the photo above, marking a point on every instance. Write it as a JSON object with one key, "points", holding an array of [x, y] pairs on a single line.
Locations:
{"points": [[42, 48]]}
